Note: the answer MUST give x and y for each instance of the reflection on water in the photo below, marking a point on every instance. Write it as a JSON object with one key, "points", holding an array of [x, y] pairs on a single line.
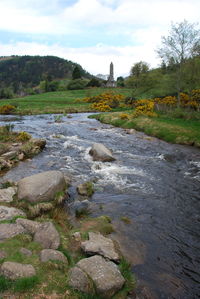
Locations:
{"points": [[153, 183]]}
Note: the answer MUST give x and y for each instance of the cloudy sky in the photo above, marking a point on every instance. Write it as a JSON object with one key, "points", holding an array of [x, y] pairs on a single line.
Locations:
{"points": [[91, 32]]}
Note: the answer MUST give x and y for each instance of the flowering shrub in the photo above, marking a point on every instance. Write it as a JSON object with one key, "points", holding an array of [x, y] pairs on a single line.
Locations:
{"points": [[110, 99], [23, 136], [124, 116], [144, 108], [7, 109], [101, 106]]}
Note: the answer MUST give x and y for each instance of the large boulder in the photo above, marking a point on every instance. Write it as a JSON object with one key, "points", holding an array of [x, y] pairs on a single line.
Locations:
{"points": [[14, 270], [7, 213], [101, 153], [98, 244], [52, 255], [6, 195], [80, 281], [30, 226], [105, 275], [41, 187], [10, 230], [47, 236]]}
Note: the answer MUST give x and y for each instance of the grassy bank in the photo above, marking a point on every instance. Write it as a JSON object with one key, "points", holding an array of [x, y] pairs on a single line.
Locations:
{"points": [[166, 127], [58, 102]]}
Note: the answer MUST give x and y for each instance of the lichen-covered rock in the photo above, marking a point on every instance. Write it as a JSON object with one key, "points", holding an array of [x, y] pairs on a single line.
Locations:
{"points": [[14, 270], [98, 244], [10, 230], [54, 255], [41, 187], [80, 281], [6, 195], [85, 189], [30, 226], [105, 275], [7, 213], [47, 236], [25, 251], [101, 153]]}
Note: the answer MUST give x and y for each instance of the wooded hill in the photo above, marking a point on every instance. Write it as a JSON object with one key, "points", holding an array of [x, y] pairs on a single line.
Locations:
{"points": [[19, 72]]}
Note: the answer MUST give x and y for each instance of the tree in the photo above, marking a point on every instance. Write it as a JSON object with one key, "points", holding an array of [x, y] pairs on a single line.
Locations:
{"points": [[76, 74], [179, 46], [120, 82], [139, 68]]}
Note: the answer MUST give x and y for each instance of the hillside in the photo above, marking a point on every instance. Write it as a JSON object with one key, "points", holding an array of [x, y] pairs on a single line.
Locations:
{"points": [[27, 71]]}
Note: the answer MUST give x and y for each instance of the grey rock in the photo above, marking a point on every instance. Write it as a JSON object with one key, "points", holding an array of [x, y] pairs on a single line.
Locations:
{"points": [[41, 187], [25, 251], [29, 225], [39, 142], [3, 254], [51, 254], [98, 244], [79, 280], [105, 275], [101, 153], [14, 270], [6, 195], [10, 230], [47, 236], [85, 189], [10, 155], [7, 213]]}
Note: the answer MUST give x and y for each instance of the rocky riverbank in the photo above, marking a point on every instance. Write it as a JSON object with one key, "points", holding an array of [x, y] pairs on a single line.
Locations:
{"points": [[43, 256]]}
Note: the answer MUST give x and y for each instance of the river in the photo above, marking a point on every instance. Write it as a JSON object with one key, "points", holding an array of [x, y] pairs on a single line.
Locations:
{"points": [[153, 183]]}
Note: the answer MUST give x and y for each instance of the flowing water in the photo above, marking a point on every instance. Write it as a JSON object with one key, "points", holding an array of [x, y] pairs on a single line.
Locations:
{"points": [[153, 183]]}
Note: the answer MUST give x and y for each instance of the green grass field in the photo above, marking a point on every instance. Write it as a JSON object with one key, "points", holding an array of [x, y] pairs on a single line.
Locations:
{"points": [[58, 102]]}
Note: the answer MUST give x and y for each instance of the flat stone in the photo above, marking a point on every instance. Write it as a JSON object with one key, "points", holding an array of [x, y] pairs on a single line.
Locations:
{"points": [[14, 270], [101, 153], [25, 251], [10, 230], [6, 195], [51, 254], [8, 213], [10, 155], [105, 275], [79, 280], [47, 236], [98, 244], [41, 187], [29, 225]]}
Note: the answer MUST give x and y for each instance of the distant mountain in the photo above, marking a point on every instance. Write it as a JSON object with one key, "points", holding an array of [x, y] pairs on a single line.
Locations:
{"points": [[27, 71]]}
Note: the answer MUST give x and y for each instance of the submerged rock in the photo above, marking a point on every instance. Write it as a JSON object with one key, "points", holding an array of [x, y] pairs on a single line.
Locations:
{"points": [[7, 213], [101, 153], [105, 275], [98, 244], [85, 189], [14, 270], [41, 187]]}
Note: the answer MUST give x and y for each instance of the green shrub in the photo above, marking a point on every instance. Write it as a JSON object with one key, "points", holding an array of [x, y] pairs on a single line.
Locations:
{"points": [[77, 84]]}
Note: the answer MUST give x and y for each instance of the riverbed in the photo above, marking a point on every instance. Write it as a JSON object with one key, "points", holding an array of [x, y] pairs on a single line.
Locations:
{"points": [[153, 185]]}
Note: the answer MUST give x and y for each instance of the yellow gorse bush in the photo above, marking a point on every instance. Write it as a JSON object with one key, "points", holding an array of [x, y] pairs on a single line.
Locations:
{"points": [[23, 136], [144, 107], [103, 101], [7, 109]]}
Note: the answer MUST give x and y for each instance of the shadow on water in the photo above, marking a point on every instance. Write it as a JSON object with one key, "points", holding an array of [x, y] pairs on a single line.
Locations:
{"points": [[153, 184]]}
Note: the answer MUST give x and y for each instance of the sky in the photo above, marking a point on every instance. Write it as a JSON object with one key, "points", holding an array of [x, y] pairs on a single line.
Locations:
{"points": [[92, 32]]}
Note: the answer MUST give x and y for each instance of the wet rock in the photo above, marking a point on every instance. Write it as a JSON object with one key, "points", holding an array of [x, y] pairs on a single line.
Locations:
{"points": [[10, 230], [21, 156], [7, 213], [101, 153], [41, 187], [25, 251], [14, 270], [143, 291], [47, 236], [79, 280], [39, 142], [85, 189], [3, 254], [51, 254], [30, 226], [10, 155], [98, 244], [105, 275], [80, 206], [6, 195]]}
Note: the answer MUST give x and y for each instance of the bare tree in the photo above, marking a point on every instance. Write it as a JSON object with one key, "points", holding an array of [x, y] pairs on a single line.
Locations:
{"points": [[181, 44]]}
